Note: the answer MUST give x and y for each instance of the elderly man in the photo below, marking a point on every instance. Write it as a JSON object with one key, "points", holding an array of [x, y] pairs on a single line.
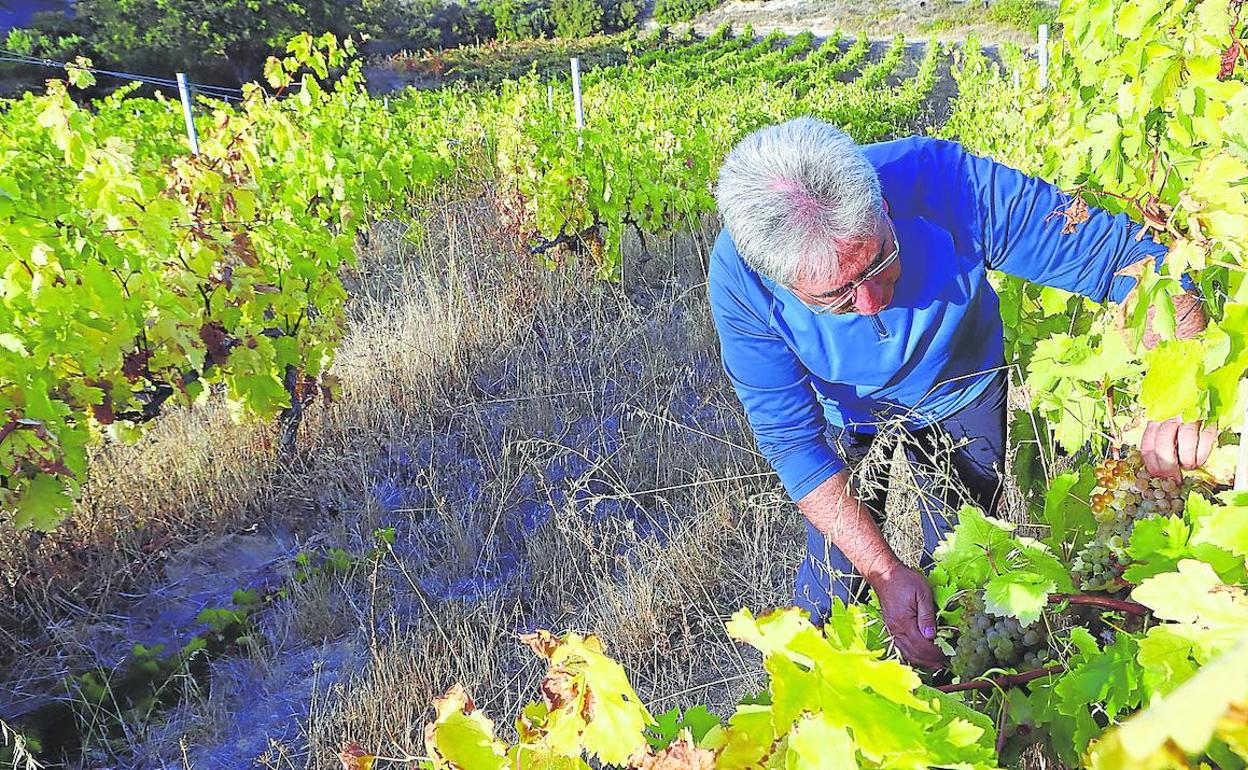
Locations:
{"points": [[849, 288]]}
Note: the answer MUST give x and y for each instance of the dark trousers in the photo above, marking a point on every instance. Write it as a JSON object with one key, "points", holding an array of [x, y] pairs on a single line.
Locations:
{"points": [[954, 462]]}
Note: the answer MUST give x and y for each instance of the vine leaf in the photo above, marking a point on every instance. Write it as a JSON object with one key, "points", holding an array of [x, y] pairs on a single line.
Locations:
{"points": [[1171, 387], [683, 754], [1075, 214], [1066, 505], [1225, 527], [1106, 676], [1194, 595], [1019, 594], [818, 743], [1214, 702], [966, 556], [590, 703], [1230, 57], [1207, 618], [462, 737], [833, 685], [42, 504]]}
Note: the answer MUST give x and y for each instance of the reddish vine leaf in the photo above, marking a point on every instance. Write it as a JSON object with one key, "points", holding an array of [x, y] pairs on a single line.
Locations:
{"points": [[216, 341], [103, 411], [1230, 57], [354, 757], [241, 247], [134, 364]]}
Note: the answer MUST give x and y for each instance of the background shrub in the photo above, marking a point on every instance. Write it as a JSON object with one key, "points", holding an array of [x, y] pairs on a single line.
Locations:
{"points": [[576, 18], [672, 11]]}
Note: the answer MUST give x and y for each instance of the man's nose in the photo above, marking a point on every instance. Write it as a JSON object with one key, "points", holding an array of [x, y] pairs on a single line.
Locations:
{"points": [[870, 297]]}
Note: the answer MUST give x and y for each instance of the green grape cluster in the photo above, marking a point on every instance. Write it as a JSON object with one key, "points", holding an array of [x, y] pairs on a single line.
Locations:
{"points": [[986, 642], [1098, 565], [1128, 493]]}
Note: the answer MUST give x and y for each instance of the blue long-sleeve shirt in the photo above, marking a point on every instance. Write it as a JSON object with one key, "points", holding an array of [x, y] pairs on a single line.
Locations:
{"points": [[935, 348]]}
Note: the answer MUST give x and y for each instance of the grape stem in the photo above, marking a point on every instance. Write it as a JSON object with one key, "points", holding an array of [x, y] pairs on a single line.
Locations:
{"points": [[1001, 720], [1002, 681], [1103, 602]]}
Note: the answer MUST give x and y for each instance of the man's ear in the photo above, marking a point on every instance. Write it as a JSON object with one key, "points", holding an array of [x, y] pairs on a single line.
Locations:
{"points": [[885, 205]]}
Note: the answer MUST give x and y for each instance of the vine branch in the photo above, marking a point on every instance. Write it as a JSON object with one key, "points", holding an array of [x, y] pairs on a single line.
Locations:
{"points": [[1102, 602], [1002, 681]]}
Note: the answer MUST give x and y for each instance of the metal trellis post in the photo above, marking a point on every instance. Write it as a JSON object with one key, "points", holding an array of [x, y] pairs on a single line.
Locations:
{"points": [[1044, 55], [184, 91], [576, 100]]}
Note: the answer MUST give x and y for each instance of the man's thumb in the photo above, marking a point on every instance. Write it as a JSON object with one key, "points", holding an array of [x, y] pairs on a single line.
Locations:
{"points": [[927, 617]]}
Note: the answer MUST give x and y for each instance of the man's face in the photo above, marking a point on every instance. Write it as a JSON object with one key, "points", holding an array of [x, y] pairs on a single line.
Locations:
{"points": [[867, 274]]}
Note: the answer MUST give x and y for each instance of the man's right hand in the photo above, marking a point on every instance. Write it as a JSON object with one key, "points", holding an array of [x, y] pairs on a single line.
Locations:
{"points": [[909, 611], [905, 597]]}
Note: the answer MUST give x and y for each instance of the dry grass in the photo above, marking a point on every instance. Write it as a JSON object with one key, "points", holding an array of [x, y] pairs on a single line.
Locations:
{"points": [[453, 342]]}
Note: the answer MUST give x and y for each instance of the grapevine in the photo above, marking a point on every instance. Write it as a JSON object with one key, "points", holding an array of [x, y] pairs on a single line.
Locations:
{"points": [[133, 275]]}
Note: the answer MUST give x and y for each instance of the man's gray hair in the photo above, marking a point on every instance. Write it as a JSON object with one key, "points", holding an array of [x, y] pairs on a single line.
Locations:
{"points": [[792, 195]]}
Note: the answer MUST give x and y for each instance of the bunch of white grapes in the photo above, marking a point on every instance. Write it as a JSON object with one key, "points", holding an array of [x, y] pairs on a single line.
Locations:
{"points": [[1128, 493], [986, 641]]}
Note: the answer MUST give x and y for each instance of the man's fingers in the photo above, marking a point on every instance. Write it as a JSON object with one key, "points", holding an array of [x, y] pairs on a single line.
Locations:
{"points": [[1148, 448], [910, 614], [1207, 440], [1188, 440], [914, 648], [1165, 446], [922, 652], [910, 631], [927, 616]]}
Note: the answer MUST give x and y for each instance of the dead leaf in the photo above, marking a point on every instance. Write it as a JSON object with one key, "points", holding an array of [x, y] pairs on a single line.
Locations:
{"points": [[542, 642], [354, 757], [682, 754], [558, 689], [455, 700], [1075, 214]]}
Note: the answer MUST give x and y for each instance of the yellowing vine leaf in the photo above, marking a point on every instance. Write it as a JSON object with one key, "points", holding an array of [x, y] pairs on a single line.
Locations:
{"points": [[1212, 703], [837, 691], [818, 743], [1170, 387], [590, 705], [460, 737]]}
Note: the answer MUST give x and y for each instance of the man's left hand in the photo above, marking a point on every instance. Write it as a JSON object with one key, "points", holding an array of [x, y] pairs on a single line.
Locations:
{"points": [[1173, 446]]}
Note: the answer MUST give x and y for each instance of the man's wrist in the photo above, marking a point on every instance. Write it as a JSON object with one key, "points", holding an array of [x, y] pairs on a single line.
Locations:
{"points": [[882, 567]]}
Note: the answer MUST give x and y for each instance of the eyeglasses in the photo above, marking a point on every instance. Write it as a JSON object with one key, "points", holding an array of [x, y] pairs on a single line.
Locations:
{"points": [[842, 300]]}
